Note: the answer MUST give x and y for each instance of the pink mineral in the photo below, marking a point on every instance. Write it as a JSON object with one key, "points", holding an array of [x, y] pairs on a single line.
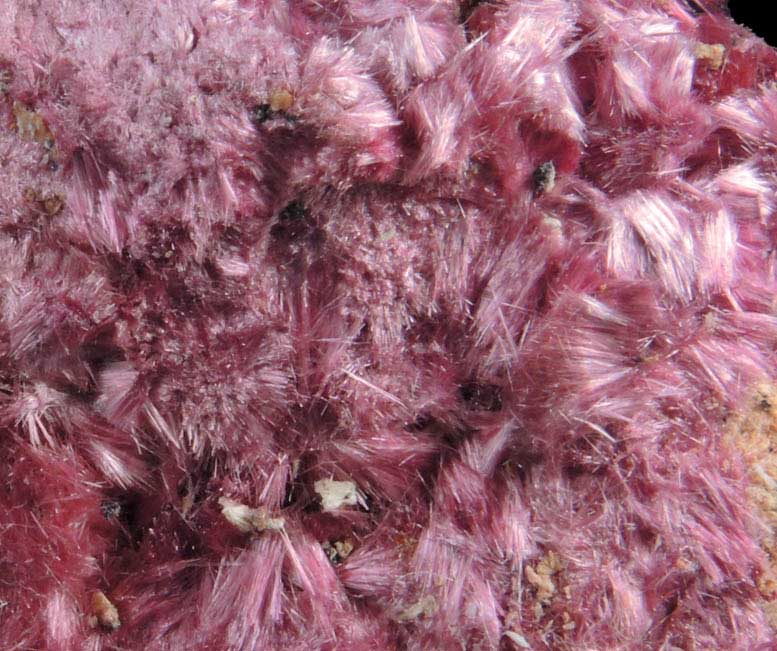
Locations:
{"points": [[341, 325]]}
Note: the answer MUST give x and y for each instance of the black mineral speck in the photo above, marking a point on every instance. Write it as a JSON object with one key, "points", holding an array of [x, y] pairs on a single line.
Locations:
{"points": [[261, 113], [110, 509], [544, 178], [481, 397]]}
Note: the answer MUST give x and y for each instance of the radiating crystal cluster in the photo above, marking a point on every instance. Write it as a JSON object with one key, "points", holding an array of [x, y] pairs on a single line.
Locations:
{"points": [[342, 325]]}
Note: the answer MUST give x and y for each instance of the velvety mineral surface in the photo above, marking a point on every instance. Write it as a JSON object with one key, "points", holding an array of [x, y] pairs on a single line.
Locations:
{"points": [[342, 325]]}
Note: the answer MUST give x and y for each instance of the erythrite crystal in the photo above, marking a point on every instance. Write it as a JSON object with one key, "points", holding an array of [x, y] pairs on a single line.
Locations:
{"points": [[400, 325]]}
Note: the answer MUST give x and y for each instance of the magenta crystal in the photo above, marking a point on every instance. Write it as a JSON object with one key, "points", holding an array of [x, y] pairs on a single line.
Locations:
{"points": [[341, 325]]}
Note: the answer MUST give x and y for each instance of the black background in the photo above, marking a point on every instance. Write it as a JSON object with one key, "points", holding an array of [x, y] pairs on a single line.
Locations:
{"points": [[758, 15]]}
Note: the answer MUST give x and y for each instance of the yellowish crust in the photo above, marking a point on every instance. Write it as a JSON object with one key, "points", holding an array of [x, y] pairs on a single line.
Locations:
{"points": [[753, 431]]}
